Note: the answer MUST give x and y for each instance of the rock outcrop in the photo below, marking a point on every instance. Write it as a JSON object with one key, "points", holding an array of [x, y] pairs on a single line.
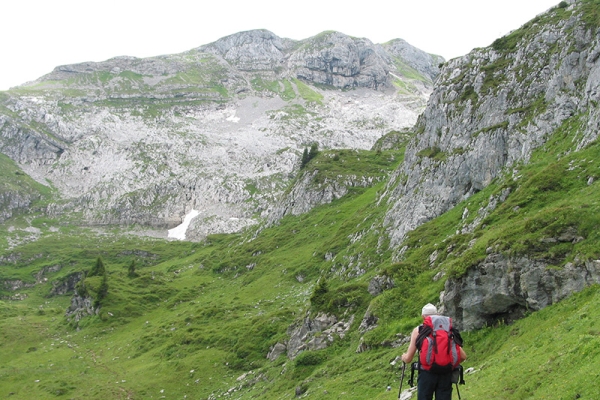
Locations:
{"points": [[335, 59], [313, 334], [306, 193], [80, 307], [67, 284], [14, 202], [502, 289], [258, 50], [39, 278], [379, 284]]}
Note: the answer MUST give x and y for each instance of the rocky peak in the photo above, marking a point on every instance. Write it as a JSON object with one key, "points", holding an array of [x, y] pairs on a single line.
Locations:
{"points": [[254, 50], [427, 64]]}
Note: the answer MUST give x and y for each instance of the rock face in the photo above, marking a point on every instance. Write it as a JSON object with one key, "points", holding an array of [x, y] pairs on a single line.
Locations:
{"points": [[503, 289], [332, 58], [13, 202], [16, 284], [486, 114], [379, 284], [277, 350], [39, 278], [66, 285], [218, 129], [306, 194], [18, 192], [314, 334]]}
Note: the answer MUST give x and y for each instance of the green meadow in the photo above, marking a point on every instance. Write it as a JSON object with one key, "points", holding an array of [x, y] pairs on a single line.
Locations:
{"points": [[196, 320]]}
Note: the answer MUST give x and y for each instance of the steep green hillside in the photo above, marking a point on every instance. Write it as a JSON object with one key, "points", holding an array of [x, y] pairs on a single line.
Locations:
{"points": [[198, 319], [553, 353]]}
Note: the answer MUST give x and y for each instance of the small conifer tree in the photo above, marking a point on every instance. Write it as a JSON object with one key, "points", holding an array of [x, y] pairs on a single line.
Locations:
{"points": [[102, 292], [319, 296], [305, 158], [131, 270], [314, 150], [98, 269], [308, 155]]}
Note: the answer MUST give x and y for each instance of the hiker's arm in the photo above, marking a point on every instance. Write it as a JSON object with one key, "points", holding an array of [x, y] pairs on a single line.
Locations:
{"points": [[412, 347], [463, 355]]}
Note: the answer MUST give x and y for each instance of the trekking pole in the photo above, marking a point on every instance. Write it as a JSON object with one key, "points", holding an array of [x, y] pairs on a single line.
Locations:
{"points": [[401, 379], [458, 379]]}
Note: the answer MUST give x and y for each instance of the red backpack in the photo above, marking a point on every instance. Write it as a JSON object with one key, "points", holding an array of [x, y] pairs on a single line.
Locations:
{"points": [[439, 345]]}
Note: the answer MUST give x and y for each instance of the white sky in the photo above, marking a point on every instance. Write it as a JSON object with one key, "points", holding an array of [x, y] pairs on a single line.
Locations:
{"points": [[38, 35]]}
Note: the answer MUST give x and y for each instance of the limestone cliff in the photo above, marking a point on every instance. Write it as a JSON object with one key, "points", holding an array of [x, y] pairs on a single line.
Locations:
{"points": [[490, 109]]}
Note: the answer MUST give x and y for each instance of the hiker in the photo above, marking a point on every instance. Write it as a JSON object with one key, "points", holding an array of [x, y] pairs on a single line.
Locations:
{"points": [[428, 382]]}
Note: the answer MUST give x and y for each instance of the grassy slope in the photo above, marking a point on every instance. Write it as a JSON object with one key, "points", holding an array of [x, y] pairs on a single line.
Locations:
{"points": [[200, 301], [13, 179], [554, 353], [215, 308]]}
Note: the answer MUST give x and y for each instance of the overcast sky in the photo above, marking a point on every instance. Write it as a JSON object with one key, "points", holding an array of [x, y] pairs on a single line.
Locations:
{"points": [[38, 35]]}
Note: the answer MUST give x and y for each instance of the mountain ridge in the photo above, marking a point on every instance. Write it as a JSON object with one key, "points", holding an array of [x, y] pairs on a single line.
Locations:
{"points": [[101, 132]]}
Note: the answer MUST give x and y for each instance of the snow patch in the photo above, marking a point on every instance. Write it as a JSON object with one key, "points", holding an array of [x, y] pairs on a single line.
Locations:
{"points": [[233, 118], [179, 231]]}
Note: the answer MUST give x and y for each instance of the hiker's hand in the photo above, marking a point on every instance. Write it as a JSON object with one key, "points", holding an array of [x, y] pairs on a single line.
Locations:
{"points": [[405, 358]]}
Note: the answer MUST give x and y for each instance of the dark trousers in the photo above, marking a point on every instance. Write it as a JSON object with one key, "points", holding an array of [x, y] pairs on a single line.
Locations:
{"points": [[429, 384]]}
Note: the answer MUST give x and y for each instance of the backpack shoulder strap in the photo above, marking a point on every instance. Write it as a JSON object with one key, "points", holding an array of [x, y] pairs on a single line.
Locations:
{"points": [[424, 332], [456, 336]]}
